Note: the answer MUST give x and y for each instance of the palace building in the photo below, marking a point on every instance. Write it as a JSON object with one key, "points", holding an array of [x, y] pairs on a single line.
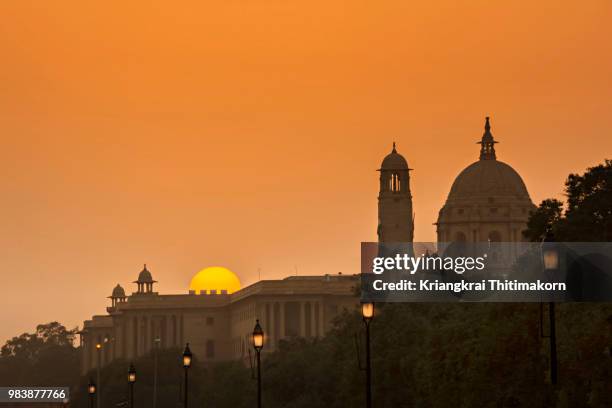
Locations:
{"points": [[216, 321], [487, 201]]}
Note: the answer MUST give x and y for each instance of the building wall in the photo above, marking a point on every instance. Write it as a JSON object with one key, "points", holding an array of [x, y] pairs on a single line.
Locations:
{"points": [[217, 327]]}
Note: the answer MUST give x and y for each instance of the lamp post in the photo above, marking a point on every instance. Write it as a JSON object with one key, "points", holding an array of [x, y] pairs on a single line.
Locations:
{"points": [[550, 260], [258, 342], [367, 311], [91, 389], [187, 357], [156, 344], [131, 382], [98, 357]]}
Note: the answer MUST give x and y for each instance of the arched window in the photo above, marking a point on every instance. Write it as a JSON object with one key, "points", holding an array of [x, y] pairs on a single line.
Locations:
{"points": [[460, 237], [394, 183], [494, 236]]}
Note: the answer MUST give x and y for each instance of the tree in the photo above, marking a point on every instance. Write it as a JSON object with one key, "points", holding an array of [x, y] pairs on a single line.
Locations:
{"points": [[588, 213], [29, 345], [46, 357], [547, 214]]}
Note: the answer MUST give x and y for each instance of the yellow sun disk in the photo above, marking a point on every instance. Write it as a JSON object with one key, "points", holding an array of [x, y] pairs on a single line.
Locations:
{"points": [[215, 278]]}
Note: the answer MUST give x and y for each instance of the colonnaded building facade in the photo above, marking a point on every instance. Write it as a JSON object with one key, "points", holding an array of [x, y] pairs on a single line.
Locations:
{"points": [[217, 324], [488, 201]]}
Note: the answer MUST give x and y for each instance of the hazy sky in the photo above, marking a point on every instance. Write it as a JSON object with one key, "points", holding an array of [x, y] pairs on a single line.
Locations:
{"points": [[247, 133]]}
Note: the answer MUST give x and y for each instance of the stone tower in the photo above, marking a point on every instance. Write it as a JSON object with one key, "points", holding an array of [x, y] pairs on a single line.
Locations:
{"points": [[395, 217]]}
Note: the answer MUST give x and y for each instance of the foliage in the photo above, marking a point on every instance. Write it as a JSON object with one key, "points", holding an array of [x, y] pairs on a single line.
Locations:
{"points": [[46, 357], [588, 214]]}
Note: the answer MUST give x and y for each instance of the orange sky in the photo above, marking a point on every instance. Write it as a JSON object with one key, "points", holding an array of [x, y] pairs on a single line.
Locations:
{"points": [[247, 133]]}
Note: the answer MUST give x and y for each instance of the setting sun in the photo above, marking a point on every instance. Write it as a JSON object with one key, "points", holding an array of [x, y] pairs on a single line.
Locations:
{"points": [[215, 278]]}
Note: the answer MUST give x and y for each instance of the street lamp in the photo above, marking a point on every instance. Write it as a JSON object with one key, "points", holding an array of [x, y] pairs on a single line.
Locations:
{"points": [[367, 311], [550, 261], [187, 357], [258, 343], [156, 344], [98, 354], [131, 381], [91, 389]]}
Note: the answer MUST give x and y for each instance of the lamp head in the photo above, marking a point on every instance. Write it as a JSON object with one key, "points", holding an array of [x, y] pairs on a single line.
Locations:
{"points": [[550, 251], [187, 356], [91, 388], [367, 311], [132, 374], [258, 336]]}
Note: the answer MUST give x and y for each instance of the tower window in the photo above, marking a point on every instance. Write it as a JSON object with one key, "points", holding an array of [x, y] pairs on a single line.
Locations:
{"points": [[394, 183]]}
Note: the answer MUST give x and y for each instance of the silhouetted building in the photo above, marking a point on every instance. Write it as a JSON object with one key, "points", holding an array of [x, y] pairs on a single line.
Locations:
{"points": [[395, 216], [216, 323], [488, 201]]}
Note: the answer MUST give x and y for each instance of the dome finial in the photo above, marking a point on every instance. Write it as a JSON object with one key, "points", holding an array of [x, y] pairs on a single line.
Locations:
{"points": [[394, 151], [487, 143]]}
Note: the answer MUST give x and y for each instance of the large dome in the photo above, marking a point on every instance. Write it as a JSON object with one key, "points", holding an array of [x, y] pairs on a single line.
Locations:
{"points": [[215, 278], [488, 201], [488, 178]]}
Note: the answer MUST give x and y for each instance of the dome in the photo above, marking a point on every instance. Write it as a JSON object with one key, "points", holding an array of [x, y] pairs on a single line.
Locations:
{"points": [[394, 161], [488, 201], [215, 278], [118, 292], [145, 276], [488, 178]]}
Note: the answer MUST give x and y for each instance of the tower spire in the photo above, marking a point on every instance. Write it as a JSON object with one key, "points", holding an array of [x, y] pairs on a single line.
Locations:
{"points": [[487, 143]]}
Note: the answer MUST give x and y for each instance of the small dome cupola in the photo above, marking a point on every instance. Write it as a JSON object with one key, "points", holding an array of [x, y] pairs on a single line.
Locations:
{"points": [[118, 296], [394, 161], [145, 281], [487, 143], [394, 177], [118, 292]]}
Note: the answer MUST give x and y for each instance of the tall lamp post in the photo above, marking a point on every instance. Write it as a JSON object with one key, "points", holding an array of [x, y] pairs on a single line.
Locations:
{"points": [[550, 260], [258, 343], [131, 381], [367, 311], [187, 357], [91, 389], [156, 344], [99, 363]]}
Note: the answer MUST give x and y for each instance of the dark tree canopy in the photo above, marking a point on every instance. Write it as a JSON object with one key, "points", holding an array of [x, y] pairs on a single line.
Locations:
{"points": [[45, 357], [587, 216], [547, 214]]}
